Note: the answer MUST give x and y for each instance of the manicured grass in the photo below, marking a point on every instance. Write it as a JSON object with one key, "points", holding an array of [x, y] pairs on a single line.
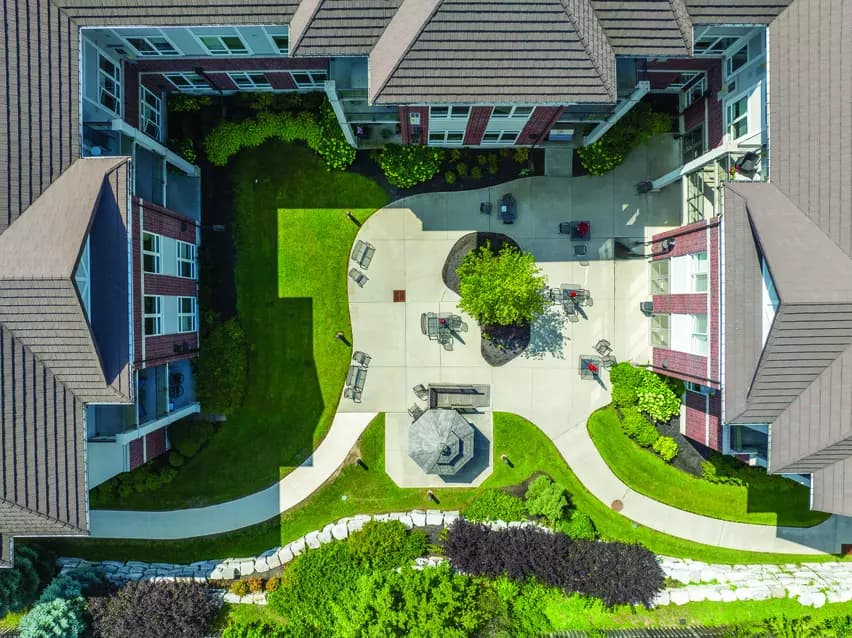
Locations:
{"points": [[291, 299], [784, 502], [354, 490]]}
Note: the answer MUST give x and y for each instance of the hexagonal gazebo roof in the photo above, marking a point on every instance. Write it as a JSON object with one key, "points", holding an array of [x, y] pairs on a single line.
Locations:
{"points": [[440, 441]]}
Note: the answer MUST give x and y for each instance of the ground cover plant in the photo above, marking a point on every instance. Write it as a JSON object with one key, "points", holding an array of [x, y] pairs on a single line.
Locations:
{"points": [[291, 299], [759, 498]]}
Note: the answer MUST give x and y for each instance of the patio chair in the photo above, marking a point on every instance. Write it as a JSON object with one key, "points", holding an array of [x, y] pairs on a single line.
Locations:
{"points": [[447, 342], [485, 208], [360, 378], [367, 257], [587, 300], [603, 347], [421, 392], [358, 251], [573, 317], [352, 393], [424, 323], [175, 391], [565, 228], [361, 358], [415, 412], [358, 277], [580, 250], [608, 361]]}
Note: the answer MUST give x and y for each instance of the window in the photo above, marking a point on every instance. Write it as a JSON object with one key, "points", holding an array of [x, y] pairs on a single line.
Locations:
{"points": [[152, 45], [439, 112], [691, 386], [186, 260], [151, 255], [660, 331], [223, 44], [682, 80], [738, 60], [692, 143], [446, 137], [109, 84], [500, 137], [511, 111], [309, 79], [713, 45], [149, 112], [459, 112], [660, 277], [250, 80], [699, 335], [699, 271], [153, 315], [188, 81], [451, 112], [282, 43], [186, 314], [695, 92], [738, 118]]}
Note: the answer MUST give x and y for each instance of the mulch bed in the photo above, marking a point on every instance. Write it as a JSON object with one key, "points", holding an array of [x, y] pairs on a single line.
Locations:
{"points": [[690, 453], [504, 343]]}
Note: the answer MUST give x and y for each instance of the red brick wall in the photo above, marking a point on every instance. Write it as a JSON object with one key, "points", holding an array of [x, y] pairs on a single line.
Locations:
{"points": [[137, 453], [161, 349], [715, 292], [694, 115], [131, 94], [408, 134], [539, 124], [681, 304], [281, 81], [479, 116], [702, 419], [168, 223], [136, 240], [682, 365], [155, 443], [167, 285], [689, 239], [222, 81], [156, 82]]}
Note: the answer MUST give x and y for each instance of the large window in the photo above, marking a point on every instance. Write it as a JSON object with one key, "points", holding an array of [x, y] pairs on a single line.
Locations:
{"points": [[699, 334], [188, 81], [692, 143], [698, 263], [660, 331], [738, 118], [109, 84], [186, 260], [446, 137], [151, 45], [150, 108], [309, 79], [151, 253], [449, 112], [500, 137], [660, 277], [500, 112], [186, 314], [250, 80], [224, 44], [153, 315]]}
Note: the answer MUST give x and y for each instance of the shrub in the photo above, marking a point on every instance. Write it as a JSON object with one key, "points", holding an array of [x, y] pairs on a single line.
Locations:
{"points": [[410, 164], [148, 609], [616, 573], [272, 584], [729, 470], [503, 289], [188, 436], [384, 545], [578, 526], [656, 398], [638, 428], [666, 447], [495, 505], [462, 169], [455, 154], [476, 172], [59, 618], [623, 396], [241, 628], [239, 588], [626, 375], [493, 163], [72, 584], [546, 498], [522, 155], [450, 178], [429, 603], [184, 147], [221, 368], [482, 159], [19, 585], [176, 459], [255, 585], [183, 103]]}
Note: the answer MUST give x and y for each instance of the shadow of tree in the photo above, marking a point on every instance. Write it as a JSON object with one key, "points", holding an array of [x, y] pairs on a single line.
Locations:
{"points": [[546, 335]]}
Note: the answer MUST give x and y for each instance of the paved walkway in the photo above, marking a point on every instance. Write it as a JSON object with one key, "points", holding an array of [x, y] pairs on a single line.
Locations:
{"points": [[412, 240]]}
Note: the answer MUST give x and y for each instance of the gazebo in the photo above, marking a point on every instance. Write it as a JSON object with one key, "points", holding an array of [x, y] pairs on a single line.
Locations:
{"points": [[440, 441]]}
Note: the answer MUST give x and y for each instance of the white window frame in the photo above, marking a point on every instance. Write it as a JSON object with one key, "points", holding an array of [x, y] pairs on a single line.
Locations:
{"points": [[729, 61], [660, 281], [449, 112], [693, 93], [154, 51], [186, 253], [439, 112], [223, 49], [156, 253], [732, 120], [682, 80], [317, 78], [156, 315], [699, 266], [279, 32], [445, 137], [150, 113], [196, 82], [513, 112], [191, 316], [700, 343], [504, 137], [660, 331], [246, 80], [103, 78]]}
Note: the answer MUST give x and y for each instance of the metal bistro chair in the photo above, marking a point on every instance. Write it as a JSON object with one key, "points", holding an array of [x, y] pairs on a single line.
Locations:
{"points": [[421, 392], [607, 361], [603, 347], [415, 412], [358, 277]]}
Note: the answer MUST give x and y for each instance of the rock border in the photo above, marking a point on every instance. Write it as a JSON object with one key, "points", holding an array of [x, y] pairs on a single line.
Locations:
{"points": [[811, 584]]}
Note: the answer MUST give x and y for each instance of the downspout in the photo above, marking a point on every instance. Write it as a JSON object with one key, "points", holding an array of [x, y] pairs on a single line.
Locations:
{"points": [[642, 88]]}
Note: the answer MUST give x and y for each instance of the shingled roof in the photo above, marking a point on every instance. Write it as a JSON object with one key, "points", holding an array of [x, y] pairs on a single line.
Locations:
{"points": [[457, 51], [655, 27], [339, 27]]}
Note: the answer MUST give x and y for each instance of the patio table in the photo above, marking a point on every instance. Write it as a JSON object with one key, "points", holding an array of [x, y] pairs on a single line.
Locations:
{"points": [[590, 366]]}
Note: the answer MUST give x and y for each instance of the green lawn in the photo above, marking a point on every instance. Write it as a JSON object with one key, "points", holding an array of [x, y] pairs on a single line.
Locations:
{"points": [[786, 503], [291, 299], [355, 490]]}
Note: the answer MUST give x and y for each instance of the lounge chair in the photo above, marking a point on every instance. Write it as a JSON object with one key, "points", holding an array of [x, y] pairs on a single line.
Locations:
{"points": [[415, 412], [421, 392], [603, 347], [361, 358], [358, 277]]}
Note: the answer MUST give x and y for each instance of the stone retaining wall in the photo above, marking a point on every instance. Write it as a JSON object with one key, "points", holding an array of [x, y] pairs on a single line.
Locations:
{"points": [[811, 584]]}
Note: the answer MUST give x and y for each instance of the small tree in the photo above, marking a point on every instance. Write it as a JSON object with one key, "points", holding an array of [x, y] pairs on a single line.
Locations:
{"points": [[546, 498], [503, 289], [59, 618]]}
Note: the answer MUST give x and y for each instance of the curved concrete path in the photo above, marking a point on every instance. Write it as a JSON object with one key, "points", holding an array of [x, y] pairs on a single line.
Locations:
{"points": [[538, 388]]}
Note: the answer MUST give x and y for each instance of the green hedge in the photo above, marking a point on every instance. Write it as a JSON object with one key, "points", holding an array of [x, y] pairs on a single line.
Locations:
{"points": [[221, 369], [189, 436], [322, 134], [495, 505]]}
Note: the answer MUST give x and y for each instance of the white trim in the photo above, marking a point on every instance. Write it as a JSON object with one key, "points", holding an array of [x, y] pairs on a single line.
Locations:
{"points": [[235, 34], [158, 34], [248, 80], [157, 315], [157, 254], [186, 76], [145, 109], [271, 37], [116, 79], [192, 260], [192, 315]]}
